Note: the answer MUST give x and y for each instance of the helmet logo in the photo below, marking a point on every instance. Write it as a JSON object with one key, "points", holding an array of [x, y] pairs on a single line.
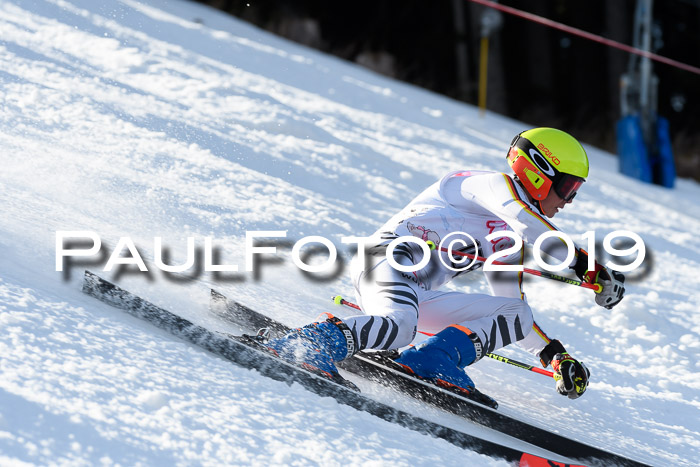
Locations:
{"points": [[548, 153], [541, 162]]}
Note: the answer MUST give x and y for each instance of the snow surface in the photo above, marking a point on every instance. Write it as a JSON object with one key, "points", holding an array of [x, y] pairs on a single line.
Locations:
{"points": [[169, 119]]}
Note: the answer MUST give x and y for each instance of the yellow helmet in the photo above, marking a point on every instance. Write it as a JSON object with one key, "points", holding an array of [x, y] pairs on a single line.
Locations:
{"points": [[545, 158]]}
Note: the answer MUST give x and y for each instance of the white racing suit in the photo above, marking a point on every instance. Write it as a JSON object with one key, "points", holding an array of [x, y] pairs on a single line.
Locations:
{"points": [[396, 304]]}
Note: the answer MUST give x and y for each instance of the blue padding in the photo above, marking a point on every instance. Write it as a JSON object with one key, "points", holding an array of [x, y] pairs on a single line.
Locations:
{"points": [[664, 167], [634, 158]]}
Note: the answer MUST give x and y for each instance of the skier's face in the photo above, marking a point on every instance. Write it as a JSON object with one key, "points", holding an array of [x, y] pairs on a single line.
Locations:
{"points": [[552, 204]]}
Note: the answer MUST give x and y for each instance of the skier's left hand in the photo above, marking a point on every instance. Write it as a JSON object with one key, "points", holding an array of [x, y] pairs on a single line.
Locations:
{"points": [[571, 375], [613, 284]]}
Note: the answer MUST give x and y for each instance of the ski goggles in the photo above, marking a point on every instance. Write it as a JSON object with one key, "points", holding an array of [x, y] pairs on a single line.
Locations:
{"points": [[567, 186]]}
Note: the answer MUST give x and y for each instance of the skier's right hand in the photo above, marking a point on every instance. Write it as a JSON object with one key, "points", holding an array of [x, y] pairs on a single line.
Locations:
{"points": [[571, 375]]}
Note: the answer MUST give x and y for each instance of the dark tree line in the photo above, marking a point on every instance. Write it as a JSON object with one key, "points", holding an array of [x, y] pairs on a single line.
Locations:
{"points": [[536, 74]]}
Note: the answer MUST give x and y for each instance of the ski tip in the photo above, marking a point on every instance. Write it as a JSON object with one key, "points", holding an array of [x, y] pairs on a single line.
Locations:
{"points": [[530, 460]]}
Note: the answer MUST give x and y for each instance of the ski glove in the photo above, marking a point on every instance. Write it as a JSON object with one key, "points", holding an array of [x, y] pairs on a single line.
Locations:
{"points": [[613, 283], [571, 375]]}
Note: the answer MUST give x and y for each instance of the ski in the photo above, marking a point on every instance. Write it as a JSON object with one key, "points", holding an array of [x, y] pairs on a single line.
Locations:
{"points": [[247, 353], [239, 351], [375, 368]]}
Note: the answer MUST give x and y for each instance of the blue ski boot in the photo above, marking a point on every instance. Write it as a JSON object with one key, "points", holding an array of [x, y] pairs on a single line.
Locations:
{"points": [[317, 346], [441, 359]]}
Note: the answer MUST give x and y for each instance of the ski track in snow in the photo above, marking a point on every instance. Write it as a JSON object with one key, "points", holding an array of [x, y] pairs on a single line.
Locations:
{"points": [[167, 118]]}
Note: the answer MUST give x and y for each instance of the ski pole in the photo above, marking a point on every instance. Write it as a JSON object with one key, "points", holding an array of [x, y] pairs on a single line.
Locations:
{"points": [[597, 288], [338, 300], [518, 364]]}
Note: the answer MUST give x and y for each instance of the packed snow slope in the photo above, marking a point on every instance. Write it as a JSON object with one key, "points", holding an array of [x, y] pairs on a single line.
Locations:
{"points": [[158, 118]]}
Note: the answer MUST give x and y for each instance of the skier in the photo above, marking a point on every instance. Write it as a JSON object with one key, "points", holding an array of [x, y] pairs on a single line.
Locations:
{"points": [[549, 167]]}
